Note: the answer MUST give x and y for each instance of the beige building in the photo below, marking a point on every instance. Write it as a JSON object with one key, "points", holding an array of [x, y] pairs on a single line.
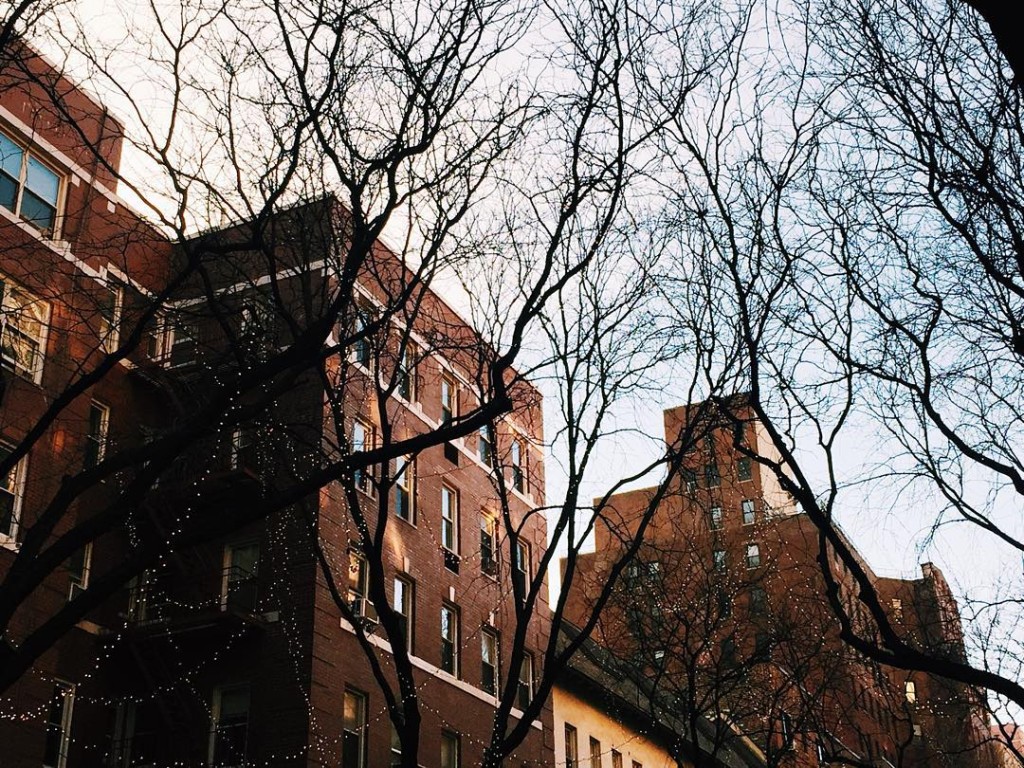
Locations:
{"points": [[605, 716]]}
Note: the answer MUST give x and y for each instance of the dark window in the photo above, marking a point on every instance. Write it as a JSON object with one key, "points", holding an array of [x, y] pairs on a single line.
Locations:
{"points": [[488, 544], [230, 726], [743, 469], [521, 567], [595, 753], [96, 437], [572, 748], [10, 496], [407, 373], [450, 751], [240, 578], [79, 565], [58, 725], [362, 440], [357, 578], [518, 469], [449, 401], [711, 477], [758, 600], [405, 488], [485, 446], [525, 690]]}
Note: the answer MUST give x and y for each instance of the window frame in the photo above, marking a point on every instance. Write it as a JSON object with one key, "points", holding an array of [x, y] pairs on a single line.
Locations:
{"points": [[361, 728], [744, 469], [450, 518], [65, 691], [405, 489], [21, 185], [359, 601], [517, 460], [712, 475], [490, 645], [403, 603], [362, 478], [454, 741], [595, 753], [454, 625], [17, 493], [406, 386], [485, 446], [525, 686], [910, 691], [571, 746], [719, 560], [8, 311], [449, 397], [716, 518], [748, 511], [215, 723], [753, 555], [489, 551], [110, 327], [521, 564], [96, 443], [78, 582]]}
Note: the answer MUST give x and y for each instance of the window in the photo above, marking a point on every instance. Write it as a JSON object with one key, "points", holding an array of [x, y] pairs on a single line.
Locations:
{"points": [[230, 726], [405, 488], [572, 754], [524, 693], [715, 518], [403, 603], [23, 324], [616, 759], [718, 557], [758, 600], [449, 519], [786, 730], [28, 188], [747, 507], [449, 401], [743, 470], [241, 564], [518, 471], [911, 691], [450, 757], [897, 608], [353, 739], [361, 343], [158, 340], [396, 748], [521, 566], [11, 493], [724, 604], [109, 307], [822, 754], [362, 440], [637, 764], [96, 437], [450, 639], [243, 448], [753, 556], [762, 644], [728, 654], [489, 661], [595, 753], [690, 478], [488, 541], [184, 344], [711, 477], [485, 446], [357, 578], [407, 373], [79, 565], [58, 725]]}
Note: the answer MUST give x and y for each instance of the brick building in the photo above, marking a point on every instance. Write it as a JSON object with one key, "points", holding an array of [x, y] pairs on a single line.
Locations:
{"points": [[727, 610], [243, 647]]}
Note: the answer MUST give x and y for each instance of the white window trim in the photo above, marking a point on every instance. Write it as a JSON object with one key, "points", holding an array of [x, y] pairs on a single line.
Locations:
{"points": [[29, 150], [83, 583], [454, 520]]}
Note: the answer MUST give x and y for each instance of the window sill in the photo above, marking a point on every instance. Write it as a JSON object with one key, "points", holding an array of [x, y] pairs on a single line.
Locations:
{"points": [[6, 542]]}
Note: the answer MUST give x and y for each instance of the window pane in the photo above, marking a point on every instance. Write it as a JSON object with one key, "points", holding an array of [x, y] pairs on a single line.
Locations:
{"points": [[42, 181], [11, 156], [37, 211]]}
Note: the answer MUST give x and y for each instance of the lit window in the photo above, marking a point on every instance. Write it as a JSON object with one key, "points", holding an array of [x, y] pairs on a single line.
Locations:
{"points": [[230, 727], [357, 583], [28, 188], [719, 559], [911, 690], [407, 374], [449, 401], [23, 323], [353, 739], [489, 661], [747, 507], [484, 446], [449, 519], [572, 748], [58, 725], [753, 556], [715, 518], [403, 604], [109, 307], [488, 544], [595, 753], [96, 437], [450, 639], [518, 470], [362, 440], [405, 487], [450, 757], [11, 494], [743, 469], [897, 608], [79, 565], [711, 477], [524, 694]]}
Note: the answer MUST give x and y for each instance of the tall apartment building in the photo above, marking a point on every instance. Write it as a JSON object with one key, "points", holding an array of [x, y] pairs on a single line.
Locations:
{"points": [[727, 609], [240, 646]]}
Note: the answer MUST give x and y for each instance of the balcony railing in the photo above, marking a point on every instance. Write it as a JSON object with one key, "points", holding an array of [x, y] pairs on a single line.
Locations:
{"points": [[161, 600]]}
